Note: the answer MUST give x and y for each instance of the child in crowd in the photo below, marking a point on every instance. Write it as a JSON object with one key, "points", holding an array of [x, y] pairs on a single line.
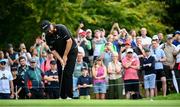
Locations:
{"points": [[84, 84], [150, 76]]}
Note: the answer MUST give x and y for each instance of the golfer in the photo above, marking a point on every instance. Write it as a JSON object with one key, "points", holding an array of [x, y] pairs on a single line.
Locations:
{"points": [[64, 48]]}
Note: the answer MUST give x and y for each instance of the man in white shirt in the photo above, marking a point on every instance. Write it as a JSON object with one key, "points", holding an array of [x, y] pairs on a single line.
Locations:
{"points": [[146, 41], [6, 83]]}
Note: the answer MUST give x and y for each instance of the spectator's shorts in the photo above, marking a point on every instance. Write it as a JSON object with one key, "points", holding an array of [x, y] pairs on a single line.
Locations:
{"points": [[149, 81], [100, 88], [131, 85], [160, 73]]}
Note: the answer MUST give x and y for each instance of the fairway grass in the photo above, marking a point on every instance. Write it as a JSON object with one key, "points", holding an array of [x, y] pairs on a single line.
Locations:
{"points": [[172, 100], [89, 103]]}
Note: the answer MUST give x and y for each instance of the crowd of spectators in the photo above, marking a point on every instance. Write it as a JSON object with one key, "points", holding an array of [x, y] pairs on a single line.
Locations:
{"points": [[110, 66]]}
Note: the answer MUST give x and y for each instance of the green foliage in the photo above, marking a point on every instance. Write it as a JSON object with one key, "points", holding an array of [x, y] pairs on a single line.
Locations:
{"points": [[20, 19]]}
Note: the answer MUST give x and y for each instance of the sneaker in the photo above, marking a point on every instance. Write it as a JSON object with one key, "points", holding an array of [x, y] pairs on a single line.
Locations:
{"points": [[68, 98]]}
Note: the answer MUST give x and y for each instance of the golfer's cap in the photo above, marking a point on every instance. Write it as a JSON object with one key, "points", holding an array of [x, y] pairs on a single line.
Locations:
{"points": [[45, 25]]}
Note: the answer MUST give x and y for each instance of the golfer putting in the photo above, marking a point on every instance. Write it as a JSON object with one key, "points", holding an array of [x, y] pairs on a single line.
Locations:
{"points": [[64, 48]]}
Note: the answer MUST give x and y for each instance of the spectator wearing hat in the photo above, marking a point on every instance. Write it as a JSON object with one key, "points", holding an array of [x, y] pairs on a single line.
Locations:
{"points": [[115, 78], [51, 76], [131, 66], [148, 65], [160, 57], [84, 83], [34, 81], [8, 60], [170, 52], [6, 82], [77, 73], [176, 38], [64, 48], [99, 73]]}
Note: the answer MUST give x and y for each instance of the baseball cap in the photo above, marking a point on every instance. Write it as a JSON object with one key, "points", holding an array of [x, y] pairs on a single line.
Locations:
{"points": [[53, 62], [177, 32], [146, 49], [45, 25], [129, 50], [169, 36], [2, 61], [13, 68], [33, 60], [84, 68], [155, 37]]}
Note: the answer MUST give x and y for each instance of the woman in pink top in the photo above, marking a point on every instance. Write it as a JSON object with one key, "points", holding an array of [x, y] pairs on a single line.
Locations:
{"points": [[45, 66], [99, 74], [131, 66]]}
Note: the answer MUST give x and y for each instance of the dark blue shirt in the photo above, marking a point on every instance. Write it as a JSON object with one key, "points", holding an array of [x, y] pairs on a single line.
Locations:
{"points": [[84, 80], [149, 70], [52, 84]]}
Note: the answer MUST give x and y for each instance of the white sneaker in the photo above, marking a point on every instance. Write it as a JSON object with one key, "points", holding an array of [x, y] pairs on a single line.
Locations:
{"points": [[68, 98]]}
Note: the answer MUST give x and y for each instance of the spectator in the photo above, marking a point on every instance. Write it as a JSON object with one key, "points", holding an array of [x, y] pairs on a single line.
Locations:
{"points": [[115, 78], [146, 41], [23, 67], [99, 74], [6, 82], [8, 60], [160, 57], [161, 38], [13, 55], [33, 81], [168, 65], [133, 36], [45, 66], [97, 42], [149, 73], [51, 76], [106, 54], [84, 84], [131, 66], [16, 82], [176, 38], [23, 52], [77, 73]]}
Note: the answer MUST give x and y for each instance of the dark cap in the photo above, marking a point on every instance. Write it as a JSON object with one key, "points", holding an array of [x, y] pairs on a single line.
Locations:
{"points": [[53, 62], [45, 25], [177, 32], [84, 68], [13, 68], [146, 49]]}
